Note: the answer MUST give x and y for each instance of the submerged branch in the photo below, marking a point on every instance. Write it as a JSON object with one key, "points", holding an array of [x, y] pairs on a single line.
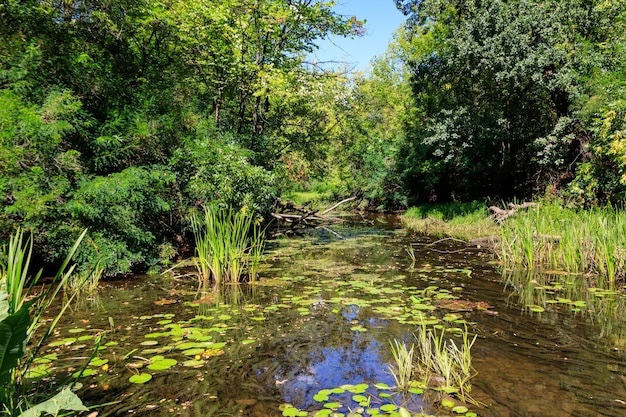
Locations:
{"points": [[294, 215]]}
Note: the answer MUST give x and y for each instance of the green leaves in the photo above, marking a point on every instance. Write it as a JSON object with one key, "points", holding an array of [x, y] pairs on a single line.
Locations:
{"points": [[13, 337], [65, 400], [470, 140]]}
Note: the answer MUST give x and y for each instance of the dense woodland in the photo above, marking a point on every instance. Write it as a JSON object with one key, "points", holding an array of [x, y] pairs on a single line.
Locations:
{"points": [[125, 116]]}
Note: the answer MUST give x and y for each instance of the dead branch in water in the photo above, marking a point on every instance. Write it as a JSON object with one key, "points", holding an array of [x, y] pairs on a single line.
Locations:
{"points": [[301, 216]]}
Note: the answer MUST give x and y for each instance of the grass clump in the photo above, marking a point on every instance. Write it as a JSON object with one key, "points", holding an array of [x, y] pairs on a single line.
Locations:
{"points": [[437, 360], [229, 244], [551, 237], [21, 314], [402, 369], [458, 220], [444, 363]]}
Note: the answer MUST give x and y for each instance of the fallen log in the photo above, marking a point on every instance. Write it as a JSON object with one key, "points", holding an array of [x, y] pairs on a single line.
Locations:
{"points": [[294, 215], [502, 214]]}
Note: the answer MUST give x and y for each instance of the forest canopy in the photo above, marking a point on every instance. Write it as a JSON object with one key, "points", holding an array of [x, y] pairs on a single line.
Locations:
{"points": [[125, 116]]}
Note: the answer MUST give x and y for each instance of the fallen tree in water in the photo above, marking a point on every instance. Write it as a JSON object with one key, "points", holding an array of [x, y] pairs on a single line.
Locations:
{"points": [[292, 216]]}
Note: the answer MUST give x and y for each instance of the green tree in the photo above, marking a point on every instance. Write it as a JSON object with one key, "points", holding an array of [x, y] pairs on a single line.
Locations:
{"points": [[496, 85], [123, 115]]}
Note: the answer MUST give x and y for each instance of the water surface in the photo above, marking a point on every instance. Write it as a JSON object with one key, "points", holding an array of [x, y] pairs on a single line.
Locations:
{"points": [[323, 315]]}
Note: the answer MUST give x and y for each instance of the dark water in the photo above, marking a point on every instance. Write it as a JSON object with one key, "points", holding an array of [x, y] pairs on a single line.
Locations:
{"points": [[324, 314]]}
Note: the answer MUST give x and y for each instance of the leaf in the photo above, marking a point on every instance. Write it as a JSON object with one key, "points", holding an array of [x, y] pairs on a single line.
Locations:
{"points": [[140, 378], [64, 400], [13, 336], [404, 412], [460, 409]]}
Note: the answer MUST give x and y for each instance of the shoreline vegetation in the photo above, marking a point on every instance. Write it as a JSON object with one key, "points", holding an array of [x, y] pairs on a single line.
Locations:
{"points": [[119, 120], [543, 237], [548, 253]]}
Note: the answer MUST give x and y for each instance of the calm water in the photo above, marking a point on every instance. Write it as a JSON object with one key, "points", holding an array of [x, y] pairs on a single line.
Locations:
{"points": [[323, 316]]}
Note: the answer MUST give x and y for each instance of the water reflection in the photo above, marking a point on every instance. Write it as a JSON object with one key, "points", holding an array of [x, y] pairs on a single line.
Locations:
{"points": [[322, 316]]}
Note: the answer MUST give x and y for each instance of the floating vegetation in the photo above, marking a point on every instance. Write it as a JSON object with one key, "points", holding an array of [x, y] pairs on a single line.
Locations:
{"points": [[594, 299], [352, 296]]}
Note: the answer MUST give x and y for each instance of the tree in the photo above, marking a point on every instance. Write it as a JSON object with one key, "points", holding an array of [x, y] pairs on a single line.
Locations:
{"points": [[496, 85], [124, 115]]}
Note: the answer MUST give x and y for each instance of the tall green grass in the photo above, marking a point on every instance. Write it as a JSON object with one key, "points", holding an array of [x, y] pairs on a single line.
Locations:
{"points": [[440, 358], [402, 369], [229, 244], [550, 237], [21, 314]]}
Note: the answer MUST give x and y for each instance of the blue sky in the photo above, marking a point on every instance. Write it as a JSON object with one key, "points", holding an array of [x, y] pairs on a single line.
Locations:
{"points": [[382, 20]]}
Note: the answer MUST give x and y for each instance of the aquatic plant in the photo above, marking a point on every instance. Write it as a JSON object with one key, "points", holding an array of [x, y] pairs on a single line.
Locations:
{"points": [[87, 281], [411, 251], [227, 243], [402, 369], [20, 316], [551, 237], [444, 363]]}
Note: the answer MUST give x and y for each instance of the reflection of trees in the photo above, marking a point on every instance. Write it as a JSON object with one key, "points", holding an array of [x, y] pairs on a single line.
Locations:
{"points": [[292, 356]]}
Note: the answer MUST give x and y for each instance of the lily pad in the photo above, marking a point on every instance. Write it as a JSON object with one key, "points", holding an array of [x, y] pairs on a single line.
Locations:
{"points": [[140, 378]]}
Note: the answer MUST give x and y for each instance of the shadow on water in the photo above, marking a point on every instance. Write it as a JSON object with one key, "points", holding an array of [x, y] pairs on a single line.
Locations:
{"points": [[322, 317]]}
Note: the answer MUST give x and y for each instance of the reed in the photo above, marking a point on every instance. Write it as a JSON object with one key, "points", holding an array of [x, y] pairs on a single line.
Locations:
{"points": [[14, 274], [87, 281], [551, 237], [20, 316], [440, 360], [228, 244], [411, 251], [402, 368]]}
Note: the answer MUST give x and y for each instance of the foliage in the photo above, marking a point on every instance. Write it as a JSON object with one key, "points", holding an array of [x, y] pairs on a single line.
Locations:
{"points": [[122, 116], [440, 357], [459, 220], [224, 175], [367, 114], [18, 321], [123, 211], [552, 237], [498, 89], [227, 243], [402, 369]]}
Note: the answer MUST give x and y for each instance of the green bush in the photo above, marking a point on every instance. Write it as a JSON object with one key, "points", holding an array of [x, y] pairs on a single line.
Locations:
{"points": [[127, 215], [220, 171]]}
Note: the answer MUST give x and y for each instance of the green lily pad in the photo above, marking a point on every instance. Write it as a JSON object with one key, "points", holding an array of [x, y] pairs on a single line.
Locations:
{"points": [[448, 402], [97, 362], [162, 364], [193, 363], [87, 372], [320, 398], [67, 341], [140, 378], [76, 330], [389, 407]]}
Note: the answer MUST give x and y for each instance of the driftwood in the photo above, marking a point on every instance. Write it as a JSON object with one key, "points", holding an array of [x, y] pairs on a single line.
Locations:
{"points": [[503, 214], [293, 215]]}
